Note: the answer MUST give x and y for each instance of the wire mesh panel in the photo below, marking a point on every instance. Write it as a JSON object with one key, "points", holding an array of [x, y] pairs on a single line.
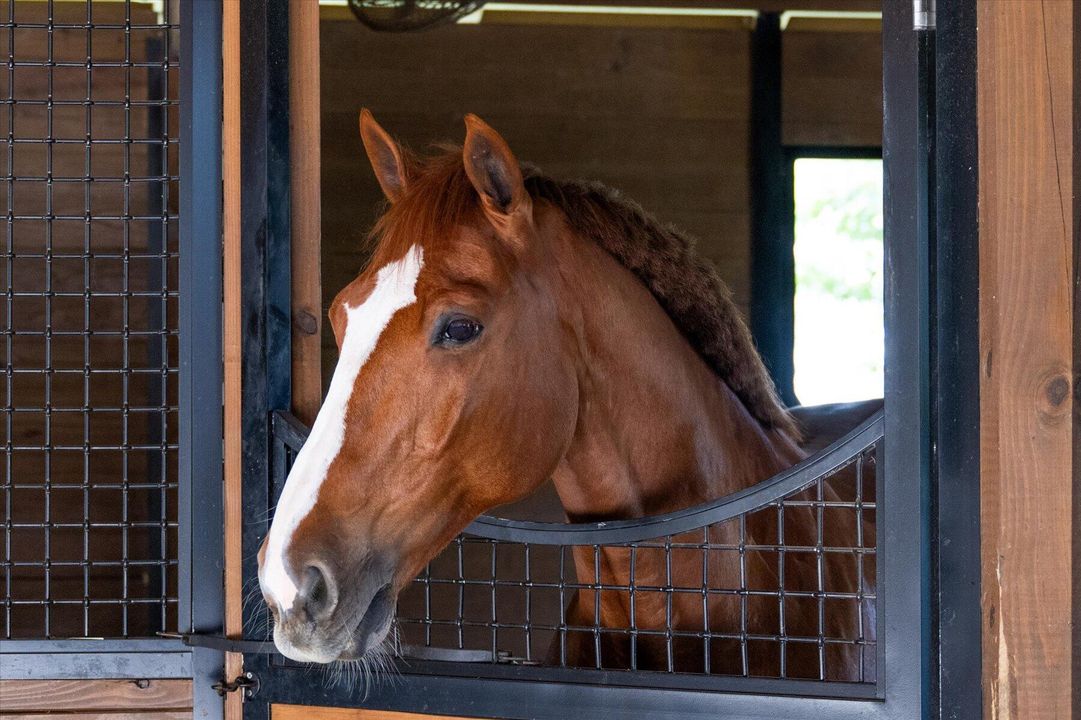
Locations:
{"points": [[777, 581], [88, 115], [785, 590]]}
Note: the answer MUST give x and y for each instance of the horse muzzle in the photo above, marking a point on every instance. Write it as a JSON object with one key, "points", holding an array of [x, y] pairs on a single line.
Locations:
{"points": [[327, 622]]}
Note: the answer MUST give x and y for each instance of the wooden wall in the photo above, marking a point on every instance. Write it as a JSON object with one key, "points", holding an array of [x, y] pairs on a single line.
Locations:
{"points": [[96, 699], [653, 112], [661, 113], [831, 86], [1027, 405]]}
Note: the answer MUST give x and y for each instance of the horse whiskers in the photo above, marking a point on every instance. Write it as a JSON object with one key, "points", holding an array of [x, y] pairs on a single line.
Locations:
{"points": [[258, 615], [251, 595], [347, 673], [376, 664]]}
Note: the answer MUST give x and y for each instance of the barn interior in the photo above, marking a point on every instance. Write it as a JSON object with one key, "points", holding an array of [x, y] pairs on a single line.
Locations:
{"points": [[110, 509], [698, 115], [690, 112]]}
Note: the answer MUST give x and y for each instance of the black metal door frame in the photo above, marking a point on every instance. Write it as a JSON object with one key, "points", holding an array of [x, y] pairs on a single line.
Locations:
{"points": [[956, 689], [918, 319], [202, 517]]}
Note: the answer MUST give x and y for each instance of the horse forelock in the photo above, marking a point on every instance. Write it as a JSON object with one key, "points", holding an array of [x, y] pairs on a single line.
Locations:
{"points": [[439, 199]]}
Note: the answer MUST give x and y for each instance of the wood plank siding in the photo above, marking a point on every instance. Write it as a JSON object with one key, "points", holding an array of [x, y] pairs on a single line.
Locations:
{"points": [[1025, 106]]}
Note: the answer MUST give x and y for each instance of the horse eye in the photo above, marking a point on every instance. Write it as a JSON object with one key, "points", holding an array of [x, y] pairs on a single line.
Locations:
{"points": [[459, 331]]}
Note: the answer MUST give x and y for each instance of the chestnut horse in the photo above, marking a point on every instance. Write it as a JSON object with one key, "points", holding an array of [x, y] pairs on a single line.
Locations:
{"points": [[511, 328]]}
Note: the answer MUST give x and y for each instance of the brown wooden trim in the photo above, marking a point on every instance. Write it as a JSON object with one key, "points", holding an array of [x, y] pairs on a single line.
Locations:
{"points": [[124, 715], [232, 344], [40, 696], [304, 149], [1025, 107], [304, 712], [1076, 510]]}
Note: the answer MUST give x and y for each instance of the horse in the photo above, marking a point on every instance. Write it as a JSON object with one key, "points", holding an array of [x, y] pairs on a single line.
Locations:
{"points": [[512, 328]]}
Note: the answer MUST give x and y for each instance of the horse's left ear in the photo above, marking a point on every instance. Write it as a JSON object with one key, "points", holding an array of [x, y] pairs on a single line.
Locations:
{"points": [[386, 157], [493, 170]]}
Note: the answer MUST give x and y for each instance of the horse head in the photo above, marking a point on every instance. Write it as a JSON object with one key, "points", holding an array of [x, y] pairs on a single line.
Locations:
{"points": [[454, 392]]}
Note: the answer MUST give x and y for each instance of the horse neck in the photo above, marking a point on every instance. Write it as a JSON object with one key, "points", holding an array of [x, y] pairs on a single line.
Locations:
{"points": [[657, 430]]}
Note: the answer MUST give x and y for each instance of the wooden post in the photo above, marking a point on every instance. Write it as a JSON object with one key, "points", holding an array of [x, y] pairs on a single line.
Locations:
{"points": [[1025, 106], [232, 344], [305, 268], [304, 148]]}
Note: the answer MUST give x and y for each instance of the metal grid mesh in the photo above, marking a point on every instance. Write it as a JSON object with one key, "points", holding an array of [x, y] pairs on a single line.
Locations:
{"points": [[784, 591], [88, 115]]}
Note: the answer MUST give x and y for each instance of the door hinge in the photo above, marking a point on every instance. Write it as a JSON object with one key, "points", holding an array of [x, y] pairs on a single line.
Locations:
{"points": [[923, 14], [247, 683]]}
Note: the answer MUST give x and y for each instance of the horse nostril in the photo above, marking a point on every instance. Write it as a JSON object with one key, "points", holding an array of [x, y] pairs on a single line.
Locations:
{"points": [[317, 594]]}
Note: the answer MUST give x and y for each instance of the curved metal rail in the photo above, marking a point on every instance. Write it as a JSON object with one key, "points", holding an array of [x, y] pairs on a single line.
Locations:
{"points": [[292, 433]]}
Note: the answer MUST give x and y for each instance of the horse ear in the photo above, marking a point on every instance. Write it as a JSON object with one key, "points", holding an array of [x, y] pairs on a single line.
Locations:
{"points": [[493, 169], [385, 156]]}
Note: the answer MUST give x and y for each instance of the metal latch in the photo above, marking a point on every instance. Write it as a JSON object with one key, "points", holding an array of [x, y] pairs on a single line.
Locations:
{"points": [[246, 682], [506, 658], [923, 14]]}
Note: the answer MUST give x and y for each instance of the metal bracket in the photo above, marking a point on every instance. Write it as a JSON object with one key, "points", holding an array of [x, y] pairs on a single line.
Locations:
{"points": [[246, 682], [923, 14]]}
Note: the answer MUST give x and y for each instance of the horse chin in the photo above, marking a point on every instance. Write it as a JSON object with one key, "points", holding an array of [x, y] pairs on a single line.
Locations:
{"points": [[374, 627], [306, 655]]}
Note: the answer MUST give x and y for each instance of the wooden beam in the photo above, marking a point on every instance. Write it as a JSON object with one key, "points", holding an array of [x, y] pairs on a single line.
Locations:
{"points": [[45, 696], [304, 712], [304, 149], [1025, 107], [121, 715], [232, 346]]}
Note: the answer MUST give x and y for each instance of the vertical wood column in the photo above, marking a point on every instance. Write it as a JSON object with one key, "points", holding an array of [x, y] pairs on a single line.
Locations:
{"points": [[1025, 107], [304, 149], [232, 344]]}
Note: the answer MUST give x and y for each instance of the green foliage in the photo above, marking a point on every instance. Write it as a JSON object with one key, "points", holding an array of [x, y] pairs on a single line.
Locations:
{"points": [[838, 252], [839, 228]]}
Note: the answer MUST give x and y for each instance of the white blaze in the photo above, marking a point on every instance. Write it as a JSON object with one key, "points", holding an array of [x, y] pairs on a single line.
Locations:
{"points": [[394, 289]]}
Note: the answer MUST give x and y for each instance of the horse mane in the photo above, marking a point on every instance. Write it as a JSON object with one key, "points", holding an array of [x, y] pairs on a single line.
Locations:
{"points": [[439, 195]]}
